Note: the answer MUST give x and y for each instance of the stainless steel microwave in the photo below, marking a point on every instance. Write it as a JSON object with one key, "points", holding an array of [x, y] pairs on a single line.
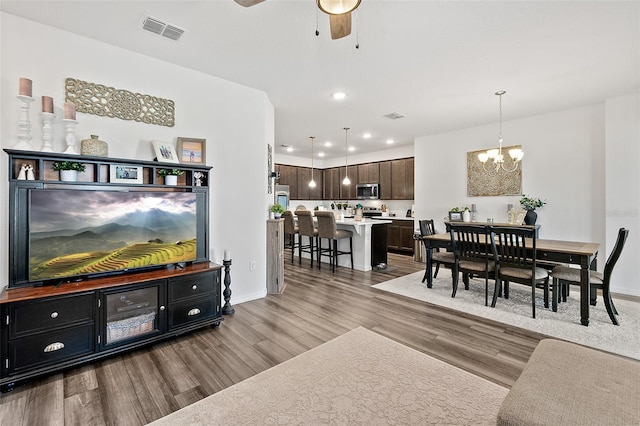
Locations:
{"points": [[368, 191]]}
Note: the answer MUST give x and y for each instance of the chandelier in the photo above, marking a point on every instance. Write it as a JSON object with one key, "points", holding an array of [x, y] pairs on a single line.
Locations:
{"points": [[312, 183], [496, 155], [346, 180]]}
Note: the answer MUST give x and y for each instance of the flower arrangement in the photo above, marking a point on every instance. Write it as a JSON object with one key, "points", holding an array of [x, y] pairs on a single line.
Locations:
{"points": [[170, 172], [69, 165], [530, 203], [459, 209]]}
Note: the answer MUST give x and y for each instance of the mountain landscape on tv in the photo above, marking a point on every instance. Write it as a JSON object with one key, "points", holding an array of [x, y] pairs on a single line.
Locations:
{"points": [[138, 238]]}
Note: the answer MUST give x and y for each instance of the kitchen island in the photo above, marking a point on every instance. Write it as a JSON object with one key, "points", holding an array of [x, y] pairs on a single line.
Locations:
{"points": [[369, 243]]}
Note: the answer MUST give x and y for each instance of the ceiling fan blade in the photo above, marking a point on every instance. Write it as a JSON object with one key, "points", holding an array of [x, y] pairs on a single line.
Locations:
{"points": [[247, 3], [340, 25]]}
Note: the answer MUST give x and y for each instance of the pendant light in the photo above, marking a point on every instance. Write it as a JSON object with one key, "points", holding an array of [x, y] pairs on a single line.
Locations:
{"points": [[312, 183], [346, 180], [496, 155]]}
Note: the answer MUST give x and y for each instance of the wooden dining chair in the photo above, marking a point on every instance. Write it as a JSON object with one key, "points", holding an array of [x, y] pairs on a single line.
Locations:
{"points": [[437, 257], [515, 251], [564, 275], [473, 256]]}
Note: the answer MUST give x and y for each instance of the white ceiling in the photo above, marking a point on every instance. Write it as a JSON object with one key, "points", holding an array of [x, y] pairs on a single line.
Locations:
{"points": [[438, 63]]}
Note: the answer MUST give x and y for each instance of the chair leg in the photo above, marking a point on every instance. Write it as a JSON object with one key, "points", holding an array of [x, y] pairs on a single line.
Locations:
{"points": [[334, 255], [546, 293], [319, 252], [435, 275], [455, 279], [497, 291], [555, 294], [351, 251], [533, 300], [608, 303], [300, 250]]}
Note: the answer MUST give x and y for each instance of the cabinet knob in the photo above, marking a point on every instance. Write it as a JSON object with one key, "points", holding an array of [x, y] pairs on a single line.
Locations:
{"points": [[54, 347], [54, 315], [194, 287], [194, 311], [162, 308]]}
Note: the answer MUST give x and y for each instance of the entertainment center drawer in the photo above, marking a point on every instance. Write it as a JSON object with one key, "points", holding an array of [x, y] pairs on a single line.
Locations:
{"points": [[191, 286], [50, 348], [191, 311], [34, 316]]}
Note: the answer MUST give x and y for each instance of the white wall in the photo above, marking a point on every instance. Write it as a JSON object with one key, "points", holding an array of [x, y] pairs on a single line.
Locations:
{"points": [[564, 163], [236, 121], [622, 157]]}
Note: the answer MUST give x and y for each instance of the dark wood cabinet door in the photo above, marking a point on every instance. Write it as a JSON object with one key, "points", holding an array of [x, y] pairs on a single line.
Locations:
{"points": [[398, 177], [409, 179], [385, 180], [348, 192], [289, 176], [331, 184], [316, 193], [304, 176], [374, 172]]}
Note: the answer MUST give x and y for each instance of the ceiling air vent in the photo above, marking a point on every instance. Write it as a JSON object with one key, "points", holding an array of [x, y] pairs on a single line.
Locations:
{"points": [[162, 28], [394, 115]]}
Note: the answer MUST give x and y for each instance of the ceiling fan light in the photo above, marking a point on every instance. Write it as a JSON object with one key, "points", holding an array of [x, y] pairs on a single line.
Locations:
{"points": [[338, 7]]}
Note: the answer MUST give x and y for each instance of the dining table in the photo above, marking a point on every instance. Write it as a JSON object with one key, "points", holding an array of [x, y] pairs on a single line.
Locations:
{"points": [[583, 254]]}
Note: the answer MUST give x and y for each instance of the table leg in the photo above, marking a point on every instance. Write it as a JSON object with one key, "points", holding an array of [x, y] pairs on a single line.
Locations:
{"points": [[585, 298], [429, 265]]}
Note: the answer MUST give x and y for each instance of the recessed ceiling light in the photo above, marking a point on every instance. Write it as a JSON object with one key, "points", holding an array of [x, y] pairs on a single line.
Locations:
{"points": [[289, 149], [351, 149], [390, 141], [321, 154], [327, 144], [366, 135], [339, 96]]}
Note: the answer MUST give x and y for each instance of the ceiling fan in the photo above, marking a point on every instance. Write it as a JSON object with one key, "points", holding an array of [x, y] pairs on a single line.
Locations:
{"points": [[339, 12]]}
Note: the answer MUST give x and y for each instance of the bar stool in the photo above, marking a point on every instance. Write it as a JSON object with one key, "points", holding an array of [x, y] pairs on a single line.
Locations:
{"points": [[327, 229], [290, 230], [306, 229]]}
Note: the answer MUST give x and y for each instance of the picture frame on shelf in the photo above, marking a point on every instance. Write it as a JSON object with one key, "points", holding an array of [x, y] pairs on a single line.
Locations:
{"points": [[192, 150], [122, 173], [165, 152], [455, 216], [520, 214]]}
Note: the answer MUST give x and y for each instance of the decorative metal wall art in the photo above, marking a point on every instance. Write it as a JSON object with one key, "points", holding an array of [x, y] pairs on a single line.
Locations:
{"points": [[98, 99], [490, 183]]}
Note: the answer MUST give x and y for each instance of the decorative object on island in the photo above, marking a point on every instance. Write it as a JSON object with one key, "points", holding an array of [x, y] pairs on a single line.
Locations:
{"points": [[227, 309], [346, 180], [47, 117], [530, 204], [68, 170], [165, 152], [94, 147], [98, 99], [191, 150], [496, 155], [122, 173], [24, 124], [170, 175], [277, 210]]}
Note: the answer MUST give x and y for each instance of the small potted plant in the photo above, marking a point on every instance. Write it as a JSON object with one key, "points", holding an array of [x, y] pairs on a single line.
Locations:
{"points": [[530, 204], [277, 210], [170, 175], [69, 170]]}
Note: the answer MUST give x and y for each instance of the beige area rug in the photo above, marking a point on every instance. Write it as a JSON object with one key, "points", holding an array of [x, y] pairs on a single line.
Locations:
{"points": [[357, 378], [564, 324]]}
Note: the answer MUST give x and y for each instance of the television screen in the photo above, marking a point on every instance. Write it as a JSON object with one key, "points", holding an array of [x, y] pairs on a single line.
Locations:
{"points": [[76, 233]]}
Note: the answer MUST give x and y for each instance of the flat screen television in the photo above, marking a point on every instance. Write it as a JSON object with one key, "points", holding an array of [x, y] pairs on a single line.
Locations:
{"points": [[74, 234]]}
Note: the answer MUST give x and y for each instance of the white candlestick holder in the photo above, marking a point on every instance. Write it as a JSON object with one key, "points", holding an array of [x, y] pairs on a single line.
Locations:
{"points": [[71, 136], [47, 131], [24, 124]]}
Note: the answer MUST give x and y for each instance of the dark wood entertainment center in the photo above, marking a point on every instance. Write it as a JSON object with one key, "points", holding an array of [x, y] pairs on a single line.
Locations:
{"points": [[47, 328]]}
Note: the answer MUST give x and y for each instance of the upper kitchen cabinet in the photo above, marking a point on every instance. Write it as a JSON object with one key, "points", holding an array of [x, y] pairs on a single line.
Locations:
{"points": [[385, 180], [402, 180], [331, 183], [288, 176], [304, 191], [348, 192], [369, 173]]}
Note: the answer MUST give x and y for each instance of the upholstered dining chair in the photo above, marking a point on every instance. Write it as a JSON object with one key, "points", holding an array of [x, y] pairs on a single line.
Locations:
{"points": [[515, 251], [290, 232], [473, 255], [564, 275], [328, 230], [307, 229], [427, 227]]}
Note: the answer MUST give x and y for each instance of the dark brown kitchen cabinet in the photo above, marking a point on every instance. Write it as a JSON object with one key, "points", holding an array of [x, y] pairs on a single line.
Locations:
{"points": [[304, 177], [331, 184], [385, 180], [402, 180], [400, 236], [315, 193], [289, 176], [368, 173], [348, 192]]}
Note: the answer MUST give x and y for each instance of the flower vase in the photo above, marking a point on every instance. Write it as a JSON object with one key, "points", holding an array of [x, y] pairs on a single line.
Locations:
{"points": [[466, 216], [531, 217]]}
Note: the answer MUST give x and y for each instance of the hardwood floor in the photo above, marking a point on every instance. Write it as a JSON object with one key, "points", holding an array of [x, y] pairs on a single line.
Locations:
{"points": [[316, 306]]}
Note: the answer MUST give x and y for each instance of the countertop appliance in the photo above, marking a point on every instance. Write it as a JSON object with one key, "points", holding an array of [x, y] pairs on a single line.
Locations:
{"points": [[371, 212], [368, 191]]}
